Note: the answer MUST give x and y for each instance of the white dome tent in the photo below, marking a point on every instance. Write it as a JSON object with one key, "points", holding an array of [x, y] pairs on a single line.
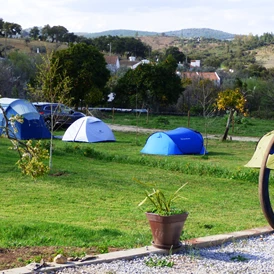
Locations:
{"points": [[88, 129]]}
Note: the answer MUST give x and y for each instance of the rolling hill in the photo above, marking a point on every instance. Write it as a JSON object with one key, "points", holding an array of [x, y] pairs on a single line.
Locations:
{"points": [[186, 33]]}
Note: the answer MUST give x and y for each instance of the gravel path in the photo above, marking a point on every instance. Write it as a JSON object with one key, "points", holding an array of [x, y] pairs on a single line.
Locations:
{"points": [[253, 255], [147, 130]]}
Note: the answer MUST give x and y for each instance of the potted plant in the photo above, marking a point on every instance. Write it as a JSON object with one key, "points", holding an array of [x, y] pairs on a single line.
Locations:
{"points": [[166, 221]]}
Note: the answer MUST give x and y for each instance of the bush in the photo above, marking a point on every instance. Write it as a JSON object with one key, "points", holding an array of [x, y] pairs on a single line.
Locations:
{"points": [[263, 114]]}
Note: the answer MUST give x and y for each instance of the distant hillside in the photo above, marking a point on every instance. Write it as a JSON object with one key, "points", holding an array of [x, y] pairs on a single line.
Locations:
{"points": [[119, 32], [187, 33], [204, 32]]}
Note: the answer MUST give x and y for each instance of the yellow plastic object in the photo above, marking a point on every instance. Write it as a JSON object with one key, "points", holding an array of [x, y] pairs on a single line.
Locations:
{"points": [[257, 157]]}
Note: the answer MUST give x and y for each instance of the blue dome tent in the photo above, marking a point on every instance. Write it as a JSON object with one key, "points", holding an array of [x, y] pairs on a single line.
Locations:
{"points": [[180, 141], [33, 126]]}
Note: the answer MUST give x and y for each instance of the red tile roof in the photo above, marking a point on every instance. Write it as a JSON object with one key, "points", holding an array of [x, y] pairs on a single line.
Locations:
{"points": [[111, 59], [213, 76]]}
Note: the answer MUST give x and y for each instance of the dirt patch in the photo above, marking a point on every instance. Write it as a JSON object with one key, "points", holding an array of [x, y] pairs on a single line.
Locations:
{"points": [[160, 42], [22, 256]]}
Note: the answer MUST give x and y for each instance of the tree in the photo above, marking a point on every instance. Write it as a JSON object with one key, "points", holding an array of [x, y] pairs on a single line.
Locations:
{"points": [[52, 85], [34, 33], [128, 46], [86, 67], [200, 94], [2, 27], [23, 67], [6, 79], [11, 29], [149, 85], [176, 53], [31, 154], [7, 30], [69, 37], [45, 32], [231, 100], [57, 33]]}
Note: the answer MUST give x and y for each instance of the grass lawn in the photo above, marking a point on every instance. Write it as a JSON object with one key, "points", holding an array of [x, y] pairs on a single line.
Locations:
{"points": [[90, 198], [246, 126]]}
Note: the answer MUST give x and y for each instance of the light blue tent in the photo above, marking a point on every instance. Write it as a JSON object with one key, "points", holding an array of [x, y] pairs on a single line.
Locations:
{"points": [[33, 126], [179, 141], [88, 129]]}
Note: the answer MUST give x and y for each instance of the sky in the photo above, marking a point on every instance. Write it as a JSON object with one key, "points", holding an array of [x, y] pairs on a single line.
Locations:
{"points": [[233, 16]]}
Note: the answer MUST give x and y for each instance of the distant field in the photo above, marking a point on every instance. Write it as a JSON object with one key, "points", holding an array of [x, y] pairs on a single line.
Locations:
{"points": [[20, 44], [265, 56], [160, 42]]}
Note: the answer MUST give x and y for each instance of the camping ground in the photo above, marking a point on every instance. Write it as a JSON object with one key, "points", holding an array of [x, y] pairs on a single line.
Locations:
{"points": [[89, 201]]}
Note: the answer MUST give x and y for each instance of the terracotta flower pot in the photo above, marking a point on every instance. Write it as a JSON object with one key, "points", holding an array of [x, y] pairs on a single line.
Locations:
{"points": [[166, 230]]}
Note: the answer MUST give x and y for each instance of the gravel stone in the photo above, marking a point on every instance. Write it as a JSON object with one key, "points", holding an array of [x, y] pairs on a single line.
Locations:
{"points": [[249, 256]]}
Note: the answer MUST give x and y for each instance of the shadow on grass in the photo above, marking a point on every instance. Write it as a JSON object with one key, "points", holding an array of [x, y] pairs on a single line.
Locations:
{"points": [[212, 153], [54, 234]]}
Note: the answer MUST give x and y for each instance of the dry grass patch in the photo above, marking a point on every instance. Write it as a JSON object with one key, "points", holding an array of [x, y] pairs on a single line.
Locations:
{"points": [[265, 56]]}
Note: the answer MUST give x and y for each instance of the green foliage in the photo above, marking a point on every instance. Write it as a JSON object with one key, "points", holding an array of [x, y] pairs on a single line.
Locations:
{"points": [[154, 261], [31, 156], [50, 84], [86, 68], [124, 46], [31, 160], [149, 85], [238, 258], [176, 53], [162, 204]]}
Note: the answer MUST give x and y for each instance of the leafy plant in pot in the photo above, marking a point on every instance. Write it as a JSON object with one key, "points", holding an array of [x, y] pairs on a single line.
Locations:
{"points": [[166, 221]]}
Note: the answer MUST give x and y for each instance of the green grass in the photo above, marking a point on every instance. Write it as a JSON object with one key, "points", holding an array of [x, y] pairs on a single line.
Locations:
{"points": [[246, 126], [90, 199]]}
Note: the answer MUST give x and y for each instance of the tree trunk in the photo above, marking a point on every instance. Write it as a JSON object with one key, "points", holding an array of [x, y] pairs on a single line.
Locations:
{"points": [[229, 119]]}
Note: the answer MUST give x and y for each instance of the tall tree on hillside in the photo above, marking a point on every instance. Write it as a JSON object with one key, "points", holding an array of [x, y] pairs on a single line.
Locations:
{"points": [[11, 29], [69, 37], [54, 34], [45, 32], [34, 33], [57, 33], [2, 27], [86, 67]]}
